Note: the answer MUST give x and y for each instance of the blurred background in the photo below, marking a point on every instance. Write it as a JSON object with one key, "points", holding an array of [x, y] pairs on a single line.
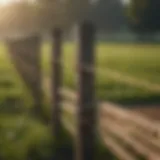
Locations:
{"points": [[127, 74]]}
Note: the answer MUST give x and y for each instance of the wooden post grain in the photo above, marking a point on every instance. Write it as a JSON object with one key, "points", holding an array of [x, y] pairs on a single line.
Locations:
{"points": [[56, 85], [85, 139]]}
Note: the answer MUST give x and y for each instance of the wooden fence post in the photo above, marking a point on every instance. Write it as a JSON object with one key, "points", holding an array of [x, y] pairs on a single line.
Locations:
{"points": [[56, 86], [85, 140], [26, 56]]}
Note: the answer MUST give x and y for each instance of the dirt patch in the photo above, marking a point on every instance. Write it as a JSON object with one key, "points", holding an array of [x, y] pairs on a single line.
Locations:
{"points": [[151, 111]]}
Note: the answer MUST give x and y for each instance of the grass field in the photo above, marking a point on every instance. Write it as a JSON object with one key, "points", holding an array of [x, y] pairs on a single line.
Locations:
{"points": [[141, 62], [138, 62]]}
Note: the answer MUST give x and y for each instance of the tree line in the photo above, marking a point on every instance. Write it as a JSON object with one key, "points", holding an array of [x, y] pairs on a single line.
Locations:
{"points": [[141, 16]]}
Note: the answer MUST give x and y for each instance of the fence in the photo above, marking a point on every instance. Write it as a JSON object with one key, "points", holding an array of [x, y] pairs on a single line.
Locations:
{"points": [[86, 98], [122, 131]]}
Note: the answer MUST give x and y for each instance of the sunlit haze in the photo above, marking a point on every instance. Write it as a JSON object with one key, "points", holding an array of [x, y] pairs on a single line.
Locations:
{"points": [[8, 2], [125, 2]]}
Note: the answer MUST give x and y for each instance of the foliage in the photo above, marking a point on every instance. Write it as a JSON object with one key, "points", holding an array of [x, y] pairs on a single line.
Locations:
{"points": [[144, 15], [105, 17]]}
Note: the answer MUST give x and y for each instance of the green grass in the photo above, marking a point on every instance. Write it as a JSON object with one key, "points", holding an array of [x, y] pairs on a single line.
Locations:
{"points": [[138, 61], [17, 139], [21, 135]]}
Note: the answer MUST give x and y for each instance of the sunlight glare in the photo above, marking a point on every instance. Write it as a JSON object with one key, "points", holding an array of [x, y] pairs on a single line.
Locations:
{"points": [[8, 2]]}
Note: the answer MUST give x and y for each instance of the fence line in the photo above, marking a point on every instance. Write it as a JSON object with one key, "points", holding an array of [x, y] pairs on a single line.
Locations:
{"points": [[117, 113], [115, 110], [123, 135], [86, 112], [128, 126], [121, 130]]}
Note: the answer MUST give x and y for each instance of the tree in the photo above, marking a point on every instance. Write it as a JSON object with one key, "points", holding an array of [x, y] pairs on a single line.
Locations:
{"points": [[108, 15], [143, 16]]}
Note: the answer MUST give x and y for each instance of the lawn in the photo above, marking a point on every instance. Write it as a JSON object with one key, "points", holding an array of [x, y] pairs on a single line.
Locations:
{"points": [[23, 135], [140, 62]]}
